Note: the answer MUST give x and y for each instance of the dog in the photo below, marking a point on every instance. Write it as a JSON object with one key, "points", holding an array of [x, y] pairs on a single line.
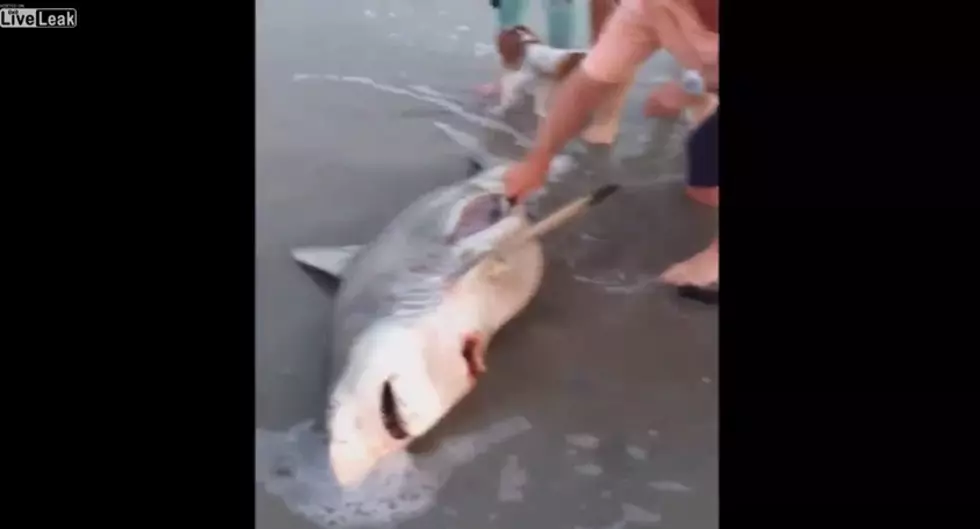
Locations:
{"points": [[534, 69], [531, 68]]}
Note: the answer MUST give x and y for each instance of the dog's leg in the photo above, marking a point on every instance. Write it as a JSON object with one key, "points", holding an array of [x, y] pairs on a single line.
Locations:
{"points": [[543, 89], [513, 89]]}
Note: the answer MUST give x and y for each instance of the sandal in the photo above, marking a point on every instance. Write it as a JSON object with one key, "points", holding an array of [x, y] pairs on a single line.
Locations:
{"points": [[706, 294]]}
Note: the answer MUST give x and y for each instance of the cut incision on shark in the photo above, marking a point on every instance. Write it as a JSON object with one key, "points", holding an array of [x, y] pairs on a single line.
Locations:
{"points": [[415, 312]]}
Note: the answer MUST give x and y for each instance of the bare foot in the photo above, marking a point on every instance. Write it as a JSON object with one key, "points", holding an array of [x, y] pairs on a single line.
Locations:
{"points": [[707, 196], [700, 270]]}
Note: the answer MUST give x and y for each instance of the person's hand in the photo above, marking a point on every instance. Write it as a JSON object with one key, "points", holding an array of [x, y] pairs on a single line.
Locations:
{"points": [[525, 177], [667, 100]]}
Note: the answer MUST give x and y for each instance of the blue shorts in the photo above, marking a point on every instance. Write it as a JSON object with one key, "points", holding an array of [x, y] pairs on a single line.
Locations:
{"points": [[702, 154]]}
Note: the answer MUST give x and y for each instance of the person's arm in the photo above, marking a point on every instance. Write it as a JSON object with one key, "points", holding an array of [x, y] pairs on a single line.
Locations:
{"points": [[686, 38], [693, 43], [571, 107], [625, 43]]}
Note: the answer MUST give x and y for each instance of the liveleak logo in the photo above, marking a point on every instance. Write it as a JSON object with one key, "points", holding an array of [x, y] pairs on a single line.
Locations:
{"points": [[42, 17]]}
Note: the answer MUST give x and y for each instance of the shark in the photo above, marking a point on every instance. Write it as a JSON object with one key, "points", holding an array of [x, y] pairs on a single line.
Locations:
{"points": [[415, 311]]}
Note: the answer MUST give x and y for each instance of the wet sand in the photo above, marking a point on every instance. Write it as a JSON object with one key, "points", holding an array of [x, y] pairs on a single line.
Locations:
{"points": [[615, 376]]}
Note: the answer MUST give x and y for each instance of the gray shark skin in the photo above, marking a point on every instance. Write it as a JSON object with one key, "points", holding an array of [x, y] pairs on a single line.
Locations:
{"points": [[415, 312]]}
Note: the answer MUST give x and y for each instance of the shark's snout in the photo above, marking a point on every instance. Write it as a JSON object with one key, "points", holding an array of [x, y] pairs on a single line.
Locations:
{"points": [[404, 378], [350, 462], [357, 442], [364, 431]]}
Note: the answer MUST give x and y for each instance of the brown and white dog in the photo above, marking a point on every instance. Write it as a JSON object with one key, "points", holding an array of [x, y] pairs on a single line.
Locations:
{"points": [[532, 68]]}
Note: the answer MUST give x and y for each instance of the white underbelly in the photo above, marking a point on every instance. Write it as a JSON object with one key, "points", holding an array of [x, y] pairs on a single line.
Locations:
{"points": [[486, 299], [502, 285]]}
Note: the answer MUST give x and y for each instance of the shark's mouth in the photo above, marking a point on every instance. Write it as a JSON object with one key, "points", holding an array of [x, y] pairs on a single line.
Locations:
{"points": [[389, 413]]}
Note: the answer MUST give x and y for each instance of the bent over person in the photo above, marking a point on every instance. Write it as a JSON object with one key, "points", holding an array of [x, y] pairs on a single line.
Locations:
{"points": [[637, 29]]}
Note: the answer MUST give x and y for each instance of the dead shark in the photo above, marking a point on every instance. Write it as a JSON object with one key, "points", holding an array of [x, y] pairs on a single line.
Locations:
{"points": [[415, 312]]}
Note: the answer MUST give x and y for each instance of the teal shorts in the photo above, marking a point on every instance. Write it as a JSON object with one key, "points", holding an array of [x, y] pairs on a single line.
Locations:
{"points": [[560, 18]]}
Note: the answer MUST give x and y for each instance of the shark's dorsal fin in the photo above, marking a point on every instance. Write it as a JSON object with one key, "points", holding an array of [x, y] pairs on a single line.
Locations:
{"points": [[480, 157], [329, 259]]}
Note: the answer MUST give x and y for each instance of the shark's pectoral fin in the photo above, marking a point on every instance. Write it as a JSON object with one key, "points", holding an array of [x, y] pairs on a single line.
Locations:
{"points": [[329, 259]]}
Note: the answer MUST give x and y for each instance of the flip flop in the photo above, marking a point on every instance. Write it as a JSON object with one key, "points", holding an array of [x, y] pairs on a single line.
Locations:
{"points": [[706, 294]]}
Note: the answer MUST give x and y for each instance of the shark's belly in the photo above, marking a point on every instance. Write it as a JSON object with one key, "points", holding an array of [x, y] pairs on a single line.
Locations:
{"points": [[487, 298], [501, 287]]}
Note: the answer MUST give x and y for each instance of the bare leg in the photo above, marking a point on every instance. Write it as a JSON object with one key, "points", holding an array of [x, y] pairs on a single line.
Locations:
{"points": [[511, 13], [707, 196], [604, 126], [701, 270], [560, 16]]}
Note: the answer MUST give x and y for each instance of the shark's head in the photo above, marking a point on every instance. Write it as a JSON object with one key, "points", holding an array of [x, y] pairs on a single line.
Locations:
{"points": [[427, 323], [406, 377], [406, 373]]}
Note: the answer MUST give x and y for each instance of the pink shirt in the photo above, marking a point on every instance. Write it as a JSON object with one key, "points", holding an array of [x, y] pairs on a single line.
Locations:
{"points": [[638, 28]]}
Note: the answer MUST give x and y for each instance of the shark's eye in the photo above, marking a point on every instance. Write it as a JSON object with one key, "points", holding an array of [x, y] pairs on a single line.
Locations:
{"points": [[496, 211], [389, 413], [477, 215]]}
